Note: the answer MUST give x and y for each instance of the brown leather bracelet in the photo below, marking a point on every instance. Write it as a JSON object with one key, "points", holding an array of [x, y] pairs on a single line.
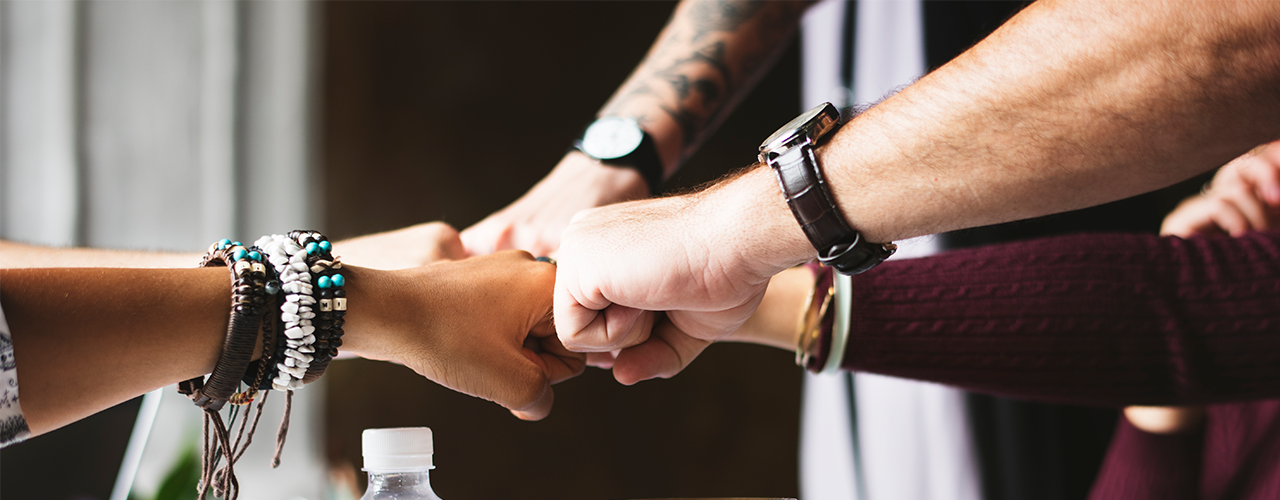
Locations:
{"points": [[249, 277]]}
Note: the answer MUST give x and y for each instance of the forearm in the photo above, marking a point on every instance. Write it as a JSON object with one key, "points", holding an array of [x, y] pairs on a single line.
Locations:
{"points": [[1069, 105], [402, 248], [88, 339], [707, 58], [19, 255]]}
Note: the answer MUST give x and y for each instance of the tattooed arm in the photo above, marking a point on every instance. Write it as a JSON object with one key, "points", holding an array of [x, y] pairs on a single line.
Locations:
{"points": [[705, 61], [708, 57]]}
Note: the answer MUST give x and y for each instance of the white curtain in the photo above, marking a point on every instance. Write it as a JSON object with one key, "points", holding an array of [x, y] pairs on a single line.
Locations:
{"points": [[911, 439], [166, 125]]}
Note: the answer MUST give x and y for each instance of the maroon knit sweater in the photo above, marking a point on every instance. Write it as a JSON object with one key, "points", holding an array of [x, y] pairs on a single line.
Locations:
{"points": [[1102, 319]]}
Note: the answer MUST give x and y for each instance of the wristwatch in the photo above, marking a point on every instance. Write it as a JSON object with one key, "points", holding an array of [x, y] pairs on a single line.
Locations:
{"points": [[620, 142], [790, 153]]}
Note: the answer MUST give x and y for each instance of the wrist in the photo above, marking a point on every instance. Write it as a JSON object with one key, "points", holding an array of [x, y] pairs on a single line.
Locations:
{"points": [[373, 310], [611, 184], [753, 226], [666, 132]]}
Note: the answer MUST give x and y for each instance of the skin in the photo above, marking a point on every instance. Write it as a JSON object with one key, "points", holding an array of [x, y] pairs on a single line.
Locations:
{"points": [[480, 326], [704, 62], [1070, 104], [403, 248], [1243, 196]]}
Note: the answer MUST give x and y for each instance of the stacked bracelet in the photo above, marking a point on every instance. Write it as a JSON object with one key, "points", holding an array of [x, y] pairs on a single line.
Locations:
{"points": [[312, 312], [251, 291], [330, 296], [293, 347], [248, 299], [300, 335]]}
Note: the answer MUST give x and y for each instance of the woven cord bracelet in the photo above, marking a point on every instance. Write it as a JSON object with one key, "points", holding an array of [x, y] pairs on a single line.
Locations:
{"points": [[248, 301], [248, 298]]}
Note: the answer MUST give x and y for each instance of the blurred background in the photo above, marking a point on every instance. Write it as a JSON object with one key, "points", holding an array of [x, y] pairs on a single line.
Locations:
{"points": [[167, 125]]}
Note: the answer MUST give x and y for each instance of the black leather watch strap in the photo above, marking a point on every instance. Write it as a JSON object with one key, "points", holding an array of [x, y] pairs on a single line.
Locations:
{"points": [[644, 160], [805, 190]]}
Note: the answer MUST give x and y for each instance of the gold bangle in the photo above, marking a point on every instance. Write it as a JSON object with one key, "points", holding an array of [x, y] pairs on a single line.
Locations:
{"points": [[810, 325]]}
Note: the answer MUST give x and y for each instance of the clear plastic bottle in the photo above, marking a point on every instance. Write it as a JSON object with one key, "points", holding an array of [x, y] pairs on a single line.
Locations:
{"points": [[398, 462]]}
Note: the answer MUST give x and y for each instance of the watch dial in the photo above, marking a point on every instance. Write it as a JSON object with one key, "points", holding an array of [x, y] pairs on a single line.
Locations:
{"points": [[612, 137], [816, 122]]}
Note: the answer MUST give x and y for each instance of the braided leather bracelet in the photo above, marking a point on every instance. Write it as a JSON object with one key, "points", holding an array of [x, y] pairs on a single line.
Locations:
{"points": [[248, 298]]}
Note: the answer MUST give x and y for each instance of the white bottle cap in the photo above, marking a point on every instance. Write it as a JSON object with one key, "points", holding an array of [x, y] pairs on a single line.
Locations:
{"points": [[397, 449]]}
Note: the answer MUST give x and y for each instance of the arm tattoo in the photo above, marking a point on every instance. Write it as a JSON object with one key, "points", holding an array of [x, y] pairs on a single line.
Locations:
{"points": [[711, 52]]}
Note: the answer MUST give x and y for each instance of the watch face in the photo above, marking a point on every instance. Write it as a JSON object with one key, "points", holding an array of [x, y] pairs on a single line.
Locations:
{"points": [[612, 137], [813, 124]]}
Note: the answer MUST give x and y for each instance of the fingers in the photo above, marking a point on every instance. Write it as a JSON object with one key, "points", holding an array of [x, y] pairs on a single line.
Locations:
{"points": [[663, 355], [487, 236], [448, 243], [558, 363], [1238, 215], [587, 321], [1165, 419], [603, 360], [614, 327], [537, 409], [1264, 175]]}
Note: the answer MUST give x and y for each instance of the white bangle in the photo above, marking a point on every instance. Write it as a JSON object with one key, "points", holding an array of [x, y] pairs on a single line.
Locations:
{"points": [[840, 327]]}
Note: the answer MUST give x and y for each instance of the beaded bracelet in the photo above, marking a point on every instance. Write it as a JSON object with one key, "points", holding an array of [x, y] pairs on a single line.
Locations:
{"points": [[293, 347], [331, 300], [314, 308]]}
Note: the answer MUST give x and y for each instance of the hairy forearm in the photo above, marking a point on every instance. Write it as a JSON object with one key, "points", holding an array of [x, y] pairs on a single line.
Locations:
{"points": [[1070, 104], [707, 58]]}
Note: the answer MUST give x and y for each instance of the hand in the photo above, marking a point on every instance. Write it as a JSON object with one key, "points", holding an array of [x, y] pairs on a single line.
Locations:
{"points": [[661, 279], [1244, 196], [479, 326], [534, 222], [404, 248]]}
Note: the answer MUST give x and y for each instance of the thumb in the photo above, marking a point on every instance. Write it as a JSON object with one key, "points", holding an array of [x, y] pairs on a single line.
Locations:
{"points": [[524, 388]]}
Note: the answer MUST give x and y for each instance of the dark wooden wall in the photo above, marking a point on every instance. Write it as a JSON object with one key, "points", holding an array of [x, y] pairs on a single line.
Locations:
{"points": [[451, 110]]}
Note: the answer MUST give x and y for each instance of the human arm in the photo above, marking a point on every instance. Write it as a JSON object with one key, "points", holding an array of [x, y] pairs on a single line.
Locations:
{"points": [[87, 339], [22, 255], [1068, 105], [707, 58], [1100, 319], [412, 246]]}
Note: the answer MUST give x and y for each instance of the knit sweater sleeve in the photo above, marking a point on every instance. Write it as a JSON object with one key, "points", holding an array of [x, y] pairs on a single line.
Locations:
{"points": [[1104, 319]]}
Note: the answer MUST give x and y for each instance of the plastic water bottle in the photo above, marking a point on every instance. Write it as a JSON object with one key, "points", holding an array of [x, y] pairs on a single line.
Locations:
{"points": [[398, 462]]}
